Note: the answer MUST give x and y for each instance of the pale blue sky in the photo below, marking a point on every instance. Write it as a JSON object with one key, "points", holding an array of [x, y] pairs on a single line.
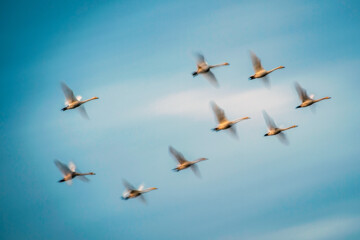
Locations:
{"points": [[137, 58]]}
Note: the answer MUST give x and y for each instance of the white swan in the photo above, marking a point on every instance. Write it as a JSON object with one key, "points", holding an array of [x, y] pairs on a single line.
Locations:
{"points": [[305, 99], [183, 163], [204, 68], [224, 123], [69, 172], [132, 192], [260, 72], [74, 102], [273, 130]]}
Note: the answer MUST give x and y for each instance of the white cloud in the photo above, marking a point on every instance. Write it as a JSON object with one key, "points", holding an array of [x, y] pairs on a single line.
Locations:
{"points": [[195, 103], [331, 228]]}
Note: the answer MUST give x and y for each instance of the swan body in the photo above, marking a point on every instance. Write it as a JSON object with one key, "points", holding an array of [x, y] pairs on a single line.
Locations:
{"points": [[69, 172], [223, 122], [74, 102], [183, 163], [305, 99], [204, 68], [260, 72], [274, 130], [132, 192]]}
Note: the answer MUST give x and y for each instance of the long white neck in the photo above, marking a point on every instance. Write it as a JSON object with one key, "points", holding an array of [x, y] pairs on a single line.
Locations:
{"points": [[318, 100], [147, 190], [275, 69], [199, 160], [240, 119], [93, 98], [284, 129], [83, 174], [218, 65]]}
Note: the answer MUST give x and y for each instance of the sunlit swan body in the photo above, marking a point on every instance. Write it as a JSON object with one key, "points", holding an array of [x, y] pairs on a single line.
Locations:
{"points": [[224, 123], [204, 68], [274, 130], [183, 163], [132, 192], [305, 99], [260, 72], [69, 172], [74, 102]]}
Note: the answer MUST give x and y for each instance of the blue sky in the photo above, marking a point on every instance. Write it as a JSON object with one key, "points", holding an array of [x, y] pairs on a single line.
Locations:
{"points": [[137, 57]]}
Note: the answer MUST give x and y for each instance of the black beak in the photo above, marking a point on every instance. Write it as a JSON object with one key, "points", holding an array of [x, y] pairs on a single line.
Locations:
{"points": [[298, 107], [266, 135]]}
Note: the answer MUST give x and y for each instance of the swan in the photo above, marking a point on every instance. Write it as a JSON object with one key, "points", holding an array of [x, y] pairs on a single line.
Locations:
{"points": [[204, 68], [260, 72], [183, 163], [132, 192], [74, 102], [224, 123], [273, 130], [70, 173], [305, 99]]}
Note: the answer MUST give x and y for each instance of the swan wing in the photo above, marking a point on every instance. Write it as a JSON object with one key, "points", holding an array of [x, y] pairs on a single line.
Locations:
{"points": [[211, 78], [269, 122], [178, 156], [200, 58], [127, 185], [72, 166], [195, 170], [142, 199], [69, 94], [219, 113], [62, 167], [84, 179], [266, 81], [301, 92], [282, 138], [233, 132], [83, 112], [256, 62]]}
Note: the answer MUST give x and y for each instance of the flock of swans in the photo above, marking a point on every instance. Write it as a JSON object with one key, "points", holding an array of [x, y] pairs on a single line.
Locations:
{"points": [[203, 68]]}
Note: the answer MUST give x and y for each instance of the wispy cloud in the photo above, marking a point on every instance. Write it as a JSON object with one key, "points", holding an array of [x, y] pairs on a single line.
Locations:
{"points": [[195, 103]]}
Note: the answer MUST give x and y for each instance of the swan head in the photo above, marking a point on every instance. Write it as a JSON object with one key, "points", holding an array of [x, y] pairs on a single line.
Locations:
{"points": [[215, 129], [327, 97], [153, 188], [252, 77], [91, 173], [95, 98], [226, 64], [267, 134], [281, 67], [298, 106]]}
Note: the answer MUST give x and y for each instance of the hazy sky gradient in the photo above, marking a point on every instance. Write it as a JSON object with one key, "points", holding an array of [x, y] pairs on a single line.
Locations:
{"points": [[137, 57]]}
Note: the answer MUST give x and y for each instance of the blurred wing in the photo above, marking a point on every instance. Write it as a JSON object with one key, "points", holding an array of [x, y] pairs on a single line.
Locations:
{"points": [[282, 137], [83, 178], [233, 132], [256, 62], [200, 58], [179, 157], [219, 113], [196, 171], [142, 198], [62, 167], [127, 185], [211, 78], [266, 81], [301, 92], [69, 182], [83, 112], [69, 95], [269, 122], [72, 166]]}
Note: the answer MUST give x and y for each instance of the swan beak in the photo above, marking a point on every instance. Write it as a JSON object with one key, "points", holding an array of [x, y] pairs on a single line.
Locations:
{"points": [[298, 107], [266, 135], [227, 64], [251, 77]]}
